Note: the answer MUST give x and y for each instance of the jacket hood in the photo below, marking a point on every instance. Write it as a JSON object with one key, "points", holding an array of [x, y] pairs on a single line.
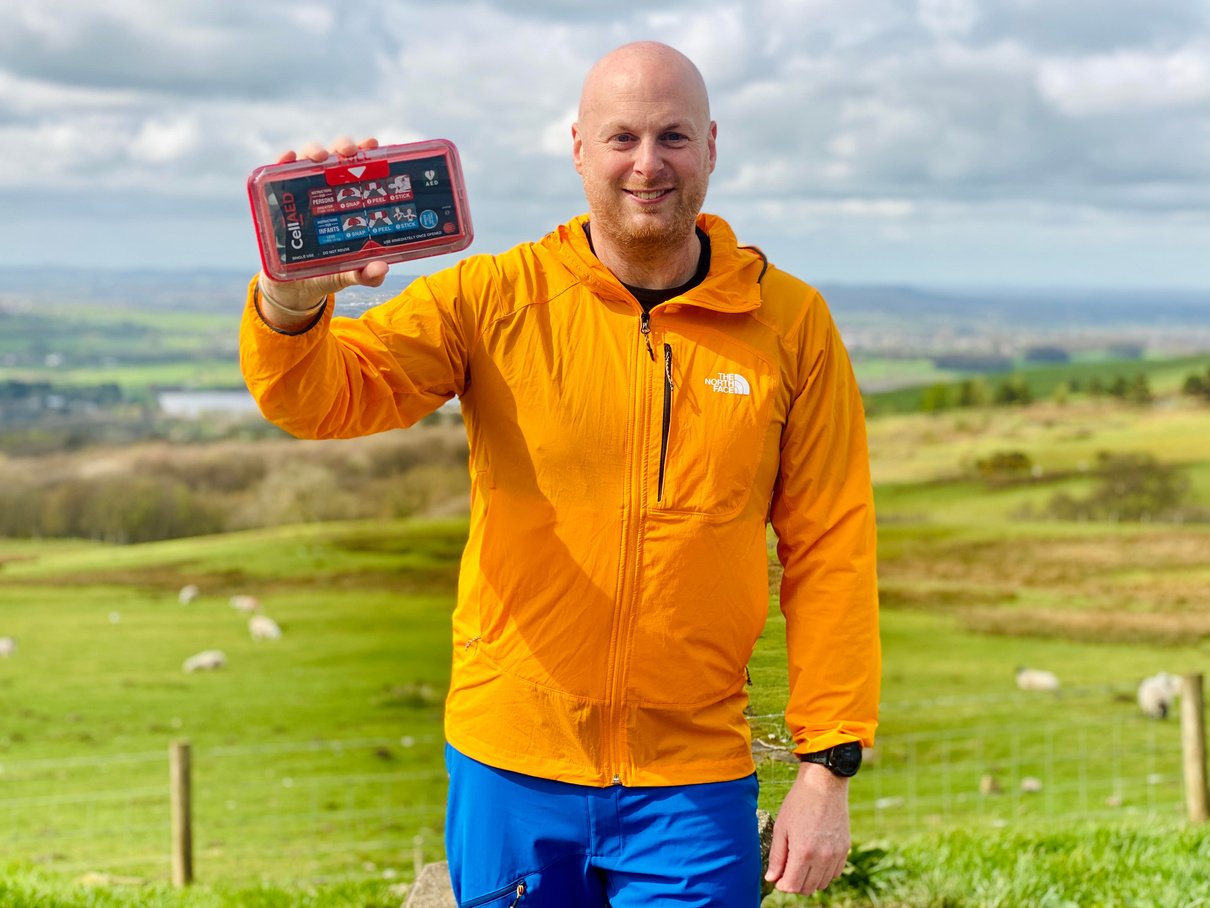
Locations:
{"points": [[732, 284]]}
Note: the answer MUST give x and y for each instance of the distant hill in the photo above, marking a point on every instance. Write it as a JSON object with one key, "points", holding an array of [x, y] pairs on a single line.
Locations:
{"points": [[203, 291], [1033, 305], [1036, 309], [858, 308]]}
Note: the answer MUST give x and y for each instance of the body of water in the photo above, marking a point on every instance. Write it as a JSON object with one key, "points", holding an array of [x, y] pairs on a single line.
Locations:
{"points": [[236, 403], [195, 404]]}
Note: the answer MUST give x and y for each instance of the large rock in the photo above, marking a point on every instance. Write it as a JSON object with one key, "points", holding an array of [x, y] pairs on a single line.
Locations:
{"points": [[432, 888], [764, 825]]}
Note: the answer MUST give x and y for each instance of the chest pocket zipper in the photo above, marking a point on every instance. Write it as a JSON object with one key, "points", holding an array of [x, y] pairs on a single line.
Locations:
{"points": [[667, 424]]}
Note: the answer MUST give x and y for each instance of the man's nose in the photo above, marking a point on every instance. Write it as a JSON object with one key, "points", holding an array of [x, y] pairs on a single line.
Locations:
{"points": [[648, 158]]}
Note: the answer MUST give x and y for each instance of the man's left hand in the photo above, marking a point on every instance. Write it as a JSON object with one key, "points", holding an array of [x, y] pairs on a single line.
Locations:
{"points": [[811, 836]]}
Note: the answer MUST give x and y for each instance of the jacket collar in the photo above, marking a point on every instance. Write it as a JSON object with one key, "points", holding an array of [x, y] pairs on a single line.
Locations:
{"points": [[732, 284]]}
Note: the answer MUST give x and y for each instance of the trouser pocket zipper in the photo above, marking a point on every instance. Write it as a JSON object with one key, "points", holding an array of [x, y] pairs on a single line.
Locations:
{"points": [[516, 890]]}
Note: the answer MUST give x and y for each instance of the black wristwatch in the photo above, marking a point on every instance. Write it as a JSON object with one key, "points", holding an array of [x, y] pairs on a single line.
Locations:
{"points": [[844, 759]]}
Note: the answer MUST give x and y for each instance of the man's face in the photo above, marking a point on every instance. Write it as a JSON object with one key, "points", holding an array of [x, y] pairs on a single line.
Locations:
{"points": [[645, 149]]}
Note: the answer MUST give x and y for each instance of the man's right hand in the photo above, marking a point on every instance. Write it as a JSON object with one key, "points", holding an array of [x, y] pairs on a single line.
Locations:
{"points": [[292, 305]]}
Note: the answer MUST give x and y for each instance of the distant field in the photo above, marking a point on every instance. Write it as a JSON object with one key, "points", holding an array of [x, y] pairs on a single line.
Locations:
{"points": [[918, 449], [1164, 375], [134, 347], [882, 373], [141, 339]]}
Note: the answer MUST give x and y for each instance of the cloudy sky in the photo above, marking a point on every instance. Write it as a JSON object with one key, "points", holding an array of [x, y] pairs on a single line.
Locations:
{"points": [[922, 141]]}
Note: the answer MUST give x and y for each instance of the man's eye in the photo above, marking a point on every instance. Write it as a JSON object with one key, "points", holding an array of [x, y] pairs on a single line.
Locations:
{"points": [[675, 138], [623, 137]]}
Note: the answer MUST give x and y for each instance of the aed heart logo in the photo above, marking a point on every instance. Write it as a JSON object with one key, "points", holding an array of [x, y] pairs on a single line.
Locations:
{"points": [[430, 174]]}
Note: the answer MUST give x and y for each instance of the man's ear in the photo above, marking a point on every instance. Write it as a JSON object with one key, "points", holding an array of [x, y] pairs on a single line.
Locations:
{"points": [[577, 147], [711, 146]]}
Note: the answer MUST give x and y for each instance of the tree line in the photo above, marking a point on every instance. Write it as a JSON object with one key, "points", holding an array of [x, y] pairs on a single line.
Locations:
{"points": [[1017, 390], [162, 490]]}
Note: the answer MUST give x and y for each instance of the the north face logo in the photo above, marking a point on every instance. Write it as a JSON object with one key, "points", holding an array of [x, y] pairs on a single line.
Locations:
{"points": [[730, 383]]}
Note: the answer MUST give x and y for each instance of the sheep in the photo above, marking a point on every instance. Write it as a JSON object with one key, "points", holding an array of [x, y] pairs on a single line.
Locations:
{"points": [[8, 646], [1036, 679], [262, 627], [187, 594], [206, 661], [244, 603], [1157, 693]]}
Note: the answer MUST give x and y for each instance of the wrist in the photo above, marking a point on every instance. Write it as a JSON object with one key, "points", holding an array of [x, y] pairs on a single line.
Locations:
{"points": [[286, 318], [841, 760], [819, 776]]}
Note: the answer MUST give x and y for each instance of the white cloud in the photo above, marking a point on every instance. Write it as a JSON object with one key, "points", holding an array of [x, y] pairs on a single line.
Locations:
{"points": [[162, 140], [948, 18], [1128, 81]]}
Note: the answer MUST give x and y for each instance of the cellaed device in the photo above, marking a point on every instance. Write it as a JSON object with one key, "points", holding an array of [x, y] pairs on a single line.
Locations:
{"points": [[389, 204]]}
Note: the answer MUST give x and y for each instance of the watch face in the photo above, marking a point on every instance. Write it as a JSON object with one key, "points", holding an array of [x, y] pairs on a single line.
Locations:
{"points": [[845, 759]]}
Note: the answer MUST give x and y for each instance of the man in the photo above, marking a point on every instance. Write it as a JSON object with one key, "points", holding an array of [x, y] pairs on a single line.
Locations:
{"points": [[641, 396]]}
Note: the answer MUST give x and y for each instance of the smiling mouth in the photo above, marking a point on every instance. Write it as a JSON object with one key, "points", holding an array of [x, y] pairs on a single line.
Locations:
{"points": [[649, 195]]}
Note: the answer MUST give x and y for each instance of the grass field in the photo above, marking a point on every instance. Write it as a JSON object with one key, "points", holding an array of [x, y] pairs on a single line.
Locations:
{"points": [[134, 347], [318, 757]]}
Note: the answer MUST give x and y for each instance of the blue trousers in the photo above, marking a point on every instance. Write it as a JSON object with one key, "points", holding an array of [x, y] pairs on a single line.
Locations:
{"points": [[516, 841]]}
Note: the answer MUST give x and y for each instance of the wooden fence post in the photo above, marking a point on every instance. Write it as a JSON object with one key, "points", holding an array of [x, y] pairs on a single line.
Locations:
{"points": [[182, 813], [1193, 748]]}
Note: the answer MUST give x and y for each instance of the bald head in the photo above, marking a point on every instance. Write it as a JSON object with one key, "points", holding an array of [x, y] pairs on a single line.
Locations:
{"points": [[644, 69], [644, 146]]}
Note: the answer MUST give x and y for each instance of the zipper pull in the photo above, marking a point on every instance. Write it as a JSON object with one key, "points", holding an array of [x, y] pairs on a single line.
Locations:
{"points": [[520, 892], [645, 330], [668, 367]]}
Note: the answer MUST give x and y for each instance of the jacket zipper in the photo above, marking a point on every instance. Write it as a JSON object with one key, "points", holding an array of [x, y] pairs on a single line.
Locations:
{"points": [[668, 388], [641, 408], [645, 330]]}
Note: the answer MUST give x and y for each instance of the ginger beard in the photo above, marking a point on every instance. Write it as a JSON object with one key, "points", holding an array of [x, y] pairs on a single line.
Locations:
{"points": [[644, 229]]}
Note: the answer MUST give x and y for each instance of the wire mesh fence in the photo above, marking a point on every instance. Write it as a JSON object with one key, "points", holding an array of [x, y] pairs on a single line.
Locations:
{"points": [[1008, 759], [297, 810], [322, 810]]}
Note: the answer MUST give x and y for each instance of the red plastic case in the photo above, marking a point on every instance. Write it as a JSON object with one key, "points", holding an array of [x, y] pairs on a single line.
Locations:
{"points": [[389, 204]]}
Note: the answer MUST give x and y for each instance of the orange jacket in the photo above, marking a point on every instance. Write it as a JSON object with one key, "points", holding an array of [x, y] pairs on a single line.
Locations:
{"points": [[623, 469]]}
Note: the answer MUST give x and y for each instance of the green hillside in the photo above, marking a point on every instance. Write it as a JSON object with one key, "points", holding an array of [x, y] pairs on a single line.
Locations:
{"points": [[318, 757]]}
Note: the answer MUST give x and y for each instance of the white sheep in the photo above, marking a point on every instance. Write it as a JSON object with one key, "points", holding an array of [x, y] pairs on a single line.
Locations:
{"points": [[206, 661], [244, 603], [187, 594], [8, 646], [1157, 693], [1037, 679], [262, 627]]}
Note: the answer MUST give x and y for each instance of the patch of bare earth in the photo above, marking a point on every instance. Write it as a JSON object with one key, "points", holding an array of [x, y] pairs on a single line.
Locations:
{"points": [[1146, 586]]}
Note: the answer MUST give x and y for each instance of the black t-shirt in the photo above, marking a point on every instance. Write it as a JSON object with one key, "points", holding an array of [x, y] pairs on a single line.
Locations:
{"points": [[648, 298]]}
